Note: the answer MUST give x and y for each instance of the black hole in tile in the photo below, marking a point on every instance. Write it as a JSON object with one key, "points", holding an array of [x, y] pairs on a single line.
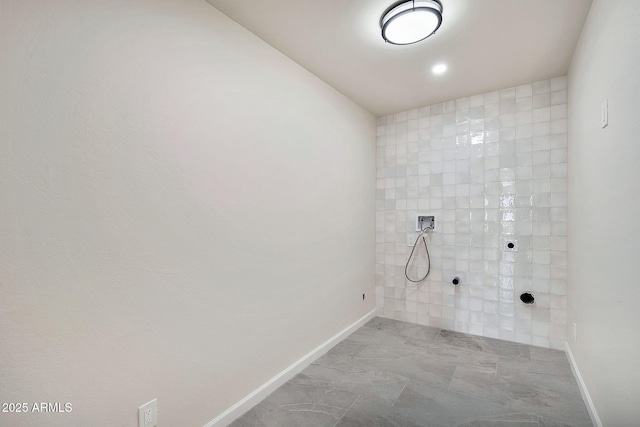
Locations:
{"points": [[527, 298]]}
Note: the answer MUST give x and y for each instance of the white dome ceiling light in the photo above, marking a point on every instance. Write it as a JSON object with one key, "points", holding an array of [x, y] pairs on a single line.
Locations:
{"points": [[411, 21]]}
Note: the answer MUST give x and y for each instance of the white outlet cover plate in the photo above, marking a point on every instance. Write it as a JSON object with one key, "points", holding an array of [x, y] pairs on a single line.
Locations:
{"points": [[153, 406]]}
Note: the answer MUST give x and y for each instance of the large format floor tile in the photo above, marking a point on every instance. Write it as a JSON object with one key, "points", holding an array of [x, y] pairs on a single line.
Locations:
{"points": [[391, 373]]}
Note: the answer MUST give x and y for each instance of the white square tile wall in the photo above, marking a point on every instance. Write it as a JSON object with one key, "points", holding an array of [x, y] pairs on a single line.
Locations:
{"points": [[491, 167]]}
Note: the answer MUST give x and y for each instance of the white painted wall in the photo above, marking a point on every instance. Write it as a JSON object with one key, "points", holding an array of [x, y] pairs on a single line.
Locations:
{"points": [[184, 212], [604, 209]]}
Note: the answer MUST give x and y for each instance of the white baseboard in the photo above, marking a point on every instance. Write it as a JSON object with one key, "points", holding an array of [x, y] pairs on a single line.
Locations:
{"points": [[267, 388], [583, 387]]}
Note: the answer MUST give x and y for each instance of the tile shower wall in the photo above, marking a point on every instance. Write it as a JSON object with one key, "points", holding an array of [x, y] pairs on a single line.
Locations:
{"points": [[491, 167]]}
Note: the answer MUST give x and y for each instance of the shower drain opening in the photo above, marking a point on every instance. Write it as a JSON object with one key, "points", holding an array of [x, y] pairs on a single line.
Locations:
{"points": [[527, 298]]}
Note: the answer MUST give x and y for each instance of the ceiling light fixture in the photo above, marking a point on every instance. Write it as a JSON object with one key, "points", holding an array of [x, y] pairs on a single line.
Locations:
{"points": [[411, 21], [439, 68]]}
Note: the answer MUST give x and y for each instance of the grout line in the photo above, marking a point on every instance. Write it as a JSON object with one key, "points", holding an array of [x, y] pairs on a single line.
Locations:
{"points": [[403, 387], [345, 412], [452, 376], [355, 356]]}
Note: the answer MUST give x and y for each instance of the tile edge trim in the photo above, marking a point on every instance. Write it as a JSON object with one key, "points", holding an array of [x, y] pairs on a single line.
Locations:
{"points": [[593, 414], [253, 398]]}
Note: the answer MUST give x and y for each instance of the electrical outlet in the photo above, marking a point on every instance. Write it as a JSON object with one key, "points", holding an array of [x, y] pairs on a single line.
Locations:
{"points": [[148, 414], [362, 297]]}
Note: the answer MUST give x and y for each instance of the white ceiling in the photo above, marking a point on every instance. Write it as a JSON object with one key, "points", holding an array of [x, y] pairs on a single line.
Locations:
{"points": [[487, 45]]}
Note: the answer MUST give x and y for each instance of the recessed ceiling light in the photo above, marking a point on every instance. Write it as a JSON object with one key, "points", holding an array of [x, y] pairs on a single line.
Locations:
{"points": [[410, 21], [439, 69]]}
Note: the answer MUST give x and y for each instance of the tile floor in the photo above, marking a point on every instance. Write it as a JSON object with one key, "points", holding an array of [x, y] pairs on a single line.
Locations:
{"points": [[392, 373]]}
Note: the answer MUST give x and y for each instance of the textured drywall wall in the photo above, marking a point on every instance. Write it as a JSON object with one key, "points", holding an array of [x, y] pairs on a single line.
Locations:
{"points": [[184, 212], [604, 207]]}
